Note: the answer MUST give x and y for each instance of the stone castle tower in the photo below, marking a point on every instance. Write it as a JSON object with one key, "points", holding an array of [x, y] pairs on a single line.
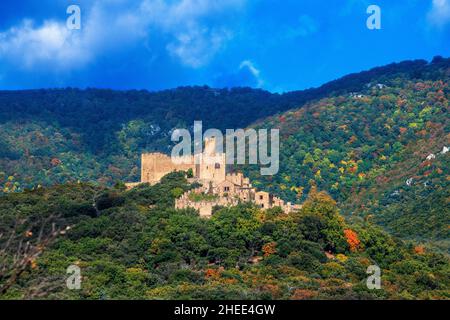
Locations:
{"points": [[210, 165]]}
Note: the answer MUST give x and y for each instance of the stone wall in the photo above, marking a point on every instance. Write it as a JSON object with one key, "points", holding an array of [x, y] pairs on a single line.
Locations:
{"points": [[154, 166], [204, 207], [212, 168]]}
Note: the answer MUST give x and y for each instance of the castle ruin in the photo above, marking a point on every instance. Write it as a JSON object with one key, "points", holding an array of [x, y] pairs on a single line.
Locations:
{"points": [[218, 187]]}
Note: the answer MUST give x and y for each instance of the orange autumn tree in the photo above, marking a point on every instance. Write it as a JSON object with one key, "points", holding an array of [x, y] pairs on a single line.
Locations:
{"points": [[352, 239], [269, 249], [212, 274], [419, 249]]}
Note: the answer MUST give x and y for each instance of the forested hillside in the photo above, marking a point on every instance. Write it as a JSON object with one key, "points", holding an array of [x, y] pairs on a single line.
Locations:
{"points": [[134, 245], [364, 139], [382, 152]]}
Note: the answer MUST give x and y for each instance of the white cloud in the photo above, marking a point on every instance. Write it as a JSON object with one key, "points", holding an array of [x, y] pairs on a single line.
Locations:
{"points": [[194, 41], [439, 15], [305, 27], [50, 42], [52, 45], [196, 46], [193, 33], [247, 64]]}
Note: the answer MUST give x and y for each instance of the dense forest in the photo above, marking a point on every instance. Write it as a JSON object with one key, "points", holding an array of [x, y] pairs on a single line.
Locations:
{"points": [[134, 245]]}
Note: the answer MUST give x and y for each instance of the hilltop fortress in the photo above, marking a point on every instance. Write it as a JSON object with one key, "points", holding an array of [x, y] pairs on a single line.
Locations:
{"points": [[218, 187]]}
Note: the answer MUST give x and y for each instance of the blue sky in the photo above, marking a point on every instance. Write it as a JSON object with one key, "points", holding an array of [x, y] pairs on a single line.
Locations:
{"points": [[155, 44]]}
